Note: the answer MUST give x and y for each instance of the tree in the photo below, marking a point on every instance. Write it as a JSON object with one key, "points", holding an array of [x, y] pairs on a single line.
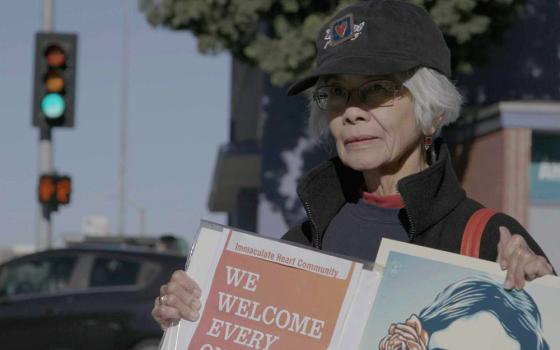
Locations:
{"points": [[278, 35]]}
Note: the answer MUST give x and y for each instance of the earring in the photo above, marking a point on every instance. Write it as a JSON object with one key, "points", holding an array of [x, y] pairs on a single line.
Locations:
{"points": [[428, 140], [430, 151]]}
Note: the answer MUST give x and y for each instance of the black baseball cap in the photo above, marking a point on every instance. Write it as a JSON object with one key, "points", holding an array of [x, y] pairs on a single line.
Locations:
{"points": [[378, 37]]}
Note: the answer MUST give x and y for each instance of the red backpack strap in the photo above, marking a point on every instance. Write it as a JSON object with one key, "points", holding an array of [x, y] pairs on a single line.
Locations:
{"points": [[470, 244]]}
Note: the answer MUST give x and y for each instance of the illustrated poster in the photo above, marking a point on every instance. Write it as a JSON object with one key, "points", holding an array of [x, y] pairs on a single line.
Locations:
{"points": [[430, 299]]}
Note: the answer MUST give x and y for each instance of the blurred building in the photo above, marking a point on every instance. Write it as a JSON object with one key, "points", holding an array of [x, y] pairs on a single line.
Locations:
{"points": [[506, 146], [507, 156]]}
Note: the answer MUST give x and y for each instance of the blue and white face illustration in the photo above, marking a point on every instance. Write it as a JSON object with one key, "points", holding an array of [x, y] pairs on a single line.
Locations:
{"points": [[478, 313], [482, 331]]}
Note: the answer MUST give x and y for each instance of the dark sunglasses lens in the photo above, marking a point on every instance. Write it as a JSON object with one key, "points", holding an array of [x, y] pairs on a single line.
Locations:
{"points": [[378, 93]]}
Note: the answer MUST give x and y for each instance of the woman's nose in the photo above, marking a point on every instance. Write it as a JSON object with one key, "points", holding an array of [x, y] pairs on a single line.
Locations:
{"points": [[355, 114]]}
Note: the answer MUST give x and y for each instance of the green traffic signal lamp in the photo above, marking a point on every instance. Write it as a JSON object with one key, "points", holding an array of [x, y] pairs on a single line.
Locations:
{"points": [[54, 85], [53, 106]]}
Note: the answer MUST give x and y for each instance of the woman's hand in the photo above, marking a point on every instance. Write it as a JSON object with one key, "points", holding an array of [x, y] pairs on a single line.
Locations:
{"points": [[520, 261], [179, 298]]}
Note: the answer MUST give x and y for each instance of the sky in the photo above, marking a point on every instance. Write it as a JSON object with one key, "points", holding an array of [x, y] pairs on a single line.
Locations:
{"points": [[178, 110]]}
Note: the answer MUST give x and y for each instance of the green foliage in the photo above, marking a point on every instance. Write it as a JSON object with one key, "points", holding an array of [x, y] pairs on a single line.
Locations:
{"points": [[279, 35]]}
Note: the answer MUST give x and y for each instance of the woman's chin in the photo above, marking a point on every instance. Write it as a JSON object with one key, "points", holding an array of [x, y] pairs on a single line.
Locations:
{"points": [[362, 163]]}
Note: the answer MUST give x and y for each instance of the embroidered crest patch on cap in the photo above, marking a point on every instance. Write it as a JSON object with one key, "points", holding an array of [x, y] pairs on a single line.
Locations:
{"points": [[341, 30], [377, 37]]}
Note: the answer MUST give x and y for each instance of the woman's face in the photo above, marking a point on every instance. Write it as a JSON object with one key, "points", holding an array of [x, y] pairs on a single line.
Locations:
{"points": [[369, 138]]}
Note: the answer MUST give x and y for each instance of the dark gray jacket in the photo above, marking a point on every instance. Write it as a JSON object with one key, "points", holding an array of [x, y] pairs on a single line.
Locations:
{"points": [[435, 214]]}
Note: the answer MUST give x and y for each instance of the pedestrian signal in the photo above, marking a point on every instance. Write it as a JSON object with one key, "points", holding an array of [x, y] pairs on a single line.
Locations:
{"points": [[54, 190]]}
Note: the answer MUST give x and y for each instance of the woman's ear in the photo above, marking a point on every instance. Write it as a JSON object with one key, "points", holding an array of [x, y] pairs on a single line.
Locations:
{"points": [[438, 121], [436, 125]]}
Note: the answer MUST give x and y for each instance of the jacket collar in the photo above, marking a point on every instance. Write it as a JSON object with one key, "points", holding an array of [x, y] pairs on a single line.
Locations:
{"points": [[428, 195]]}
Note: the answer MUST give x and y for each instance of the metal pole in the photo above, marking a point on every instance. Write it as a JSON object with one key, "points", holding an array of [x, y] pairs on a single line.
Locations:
{"points": [[121, 215], [142, 214], [45, 163]]}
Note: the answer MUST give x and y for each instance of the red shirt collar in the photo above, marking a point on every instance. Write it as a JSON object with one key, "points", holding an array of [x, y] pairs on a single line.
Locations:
{"points": [[391, 201]]}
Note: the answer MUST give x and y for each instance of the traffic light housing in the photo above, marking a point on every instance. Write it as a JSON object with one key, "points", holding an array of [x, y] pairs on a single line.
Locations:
{"points": [[54, 190], [55, 80]]}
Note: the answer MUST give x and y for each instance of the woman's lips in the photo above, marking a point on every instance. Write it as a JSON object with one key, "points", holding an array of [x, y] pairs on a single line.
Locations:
{"points": [[356, 140]]}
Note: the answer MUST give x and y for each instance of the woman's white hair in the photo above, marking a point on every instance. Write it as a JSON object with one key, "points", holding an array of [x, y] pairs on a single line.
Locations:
{"points": [[432, 93]]}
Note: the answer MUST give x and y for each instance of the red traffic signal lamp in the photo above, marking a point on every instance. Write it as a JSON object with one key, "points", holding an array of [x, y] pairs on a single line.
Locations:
{"points": [[55, 80], [54, 190]]}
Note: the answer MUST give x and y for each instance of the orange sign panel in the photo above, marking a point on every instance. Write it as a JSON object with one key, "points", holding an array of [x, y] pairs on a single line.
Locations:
{"points": [[269, 304]]}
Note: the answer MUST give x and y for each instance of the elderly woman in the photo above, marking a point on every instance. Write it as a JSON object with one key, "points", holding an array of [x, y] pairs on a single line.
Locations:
{"points": [[381, 87]]}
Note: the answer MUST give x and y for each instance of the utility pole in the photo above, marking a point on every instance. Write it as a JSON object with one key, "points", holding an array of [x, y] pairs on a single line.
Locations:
{"points": [[54, 91], [121, 213], [142, 228], [45, 162]]}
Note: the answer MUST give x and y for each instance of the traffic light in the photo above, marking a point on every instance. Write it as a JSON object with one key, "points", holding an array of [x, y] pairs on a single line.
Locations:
{"points": [[55, 80], [54, 190]]}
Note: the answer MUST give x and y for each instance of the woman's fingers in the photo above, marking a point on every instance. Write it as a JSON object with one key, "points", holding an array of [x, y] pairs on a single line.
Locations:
{"points": [[538, 267], [521, 262], [184, 307], [183, 293], [192, 300], [164, 315], [505, 236], [512, 244], [523, 256], [179, 298], [183, 279]]}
